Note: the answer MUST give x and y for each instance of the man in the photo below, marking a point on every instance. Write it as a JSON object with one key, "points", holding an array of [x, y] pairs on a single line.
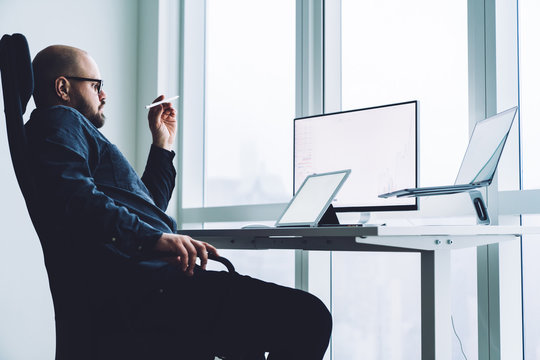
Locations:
{"points": [[113, 253]]}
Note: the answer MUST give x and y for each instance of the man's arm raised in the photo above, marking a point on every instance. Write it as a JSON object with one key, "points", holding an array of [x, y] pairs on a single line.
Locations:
{"points": [[159, 174]]}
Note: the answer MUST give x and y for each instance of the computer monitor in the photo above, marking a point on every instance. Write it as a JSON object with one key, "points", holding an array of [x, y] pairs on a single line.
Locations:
{"points": [[379, 144]]}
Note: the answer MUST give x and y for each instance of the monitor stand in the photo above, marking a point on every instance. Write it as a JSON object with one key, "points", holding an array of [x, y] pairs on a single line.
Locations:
{"points": [[330, 218], [364, 218]]}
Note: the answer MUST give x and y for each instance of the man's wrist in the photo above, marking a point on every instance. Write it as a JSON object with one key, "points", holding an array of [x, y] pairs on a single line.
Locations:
{"points": [[165, 146]]}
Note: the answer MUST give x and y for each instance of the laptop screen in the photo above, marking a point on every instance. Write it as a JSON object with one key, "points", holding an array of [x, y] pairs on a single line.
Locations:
{"points": [[485, 148]]}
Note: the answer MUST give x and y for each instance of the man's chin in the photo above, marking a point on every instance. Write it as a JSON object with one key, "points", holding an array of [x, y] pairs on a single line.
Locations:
{"points": [[98, 120]]}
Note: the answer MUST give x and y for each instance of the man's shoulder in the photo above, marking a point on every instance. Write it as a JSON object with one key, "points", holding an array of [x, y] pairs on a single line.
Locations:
{"points": [[62, 124], [61, 119], [56, 116]]}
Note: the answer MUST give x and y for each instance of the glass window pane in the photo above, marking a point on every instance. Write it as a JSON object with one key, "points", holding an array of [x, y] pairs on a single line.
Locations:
{"points": [[464, 304], [395, 51], [250, 87], [376, 305], [531, 290], [529, 81]]}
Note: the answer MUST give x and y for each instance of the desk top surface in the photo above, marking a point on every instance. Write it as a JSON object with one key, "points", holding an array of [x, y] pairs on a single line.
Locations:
{"points": [[346, 231], [361, 238]]}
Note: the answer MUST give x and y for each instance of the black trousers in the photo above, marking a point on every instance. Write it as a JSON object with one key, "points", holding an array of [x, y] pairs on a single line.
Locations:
{"points": [[231, 316]]}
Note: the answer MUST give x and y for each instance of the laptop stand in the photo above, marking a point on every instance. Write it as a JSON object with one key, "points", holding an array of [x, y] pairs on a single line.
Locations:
{"points": [[482, 216]]}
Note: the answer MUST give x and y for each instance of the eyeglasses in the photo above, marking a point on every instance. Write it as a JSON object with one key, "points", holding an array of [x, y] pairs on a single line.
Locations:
{"points": [[98, 81]]}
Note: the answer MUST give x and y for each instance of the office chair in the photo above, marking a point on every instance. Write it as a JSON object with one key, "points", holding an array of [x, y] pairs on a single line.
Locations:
{"points": [[73, 335]]}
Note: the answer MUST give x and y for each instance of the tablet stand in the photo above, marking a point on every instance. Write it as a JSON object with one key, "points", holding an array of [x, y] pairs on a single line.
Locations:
{"points": [[329, 217]]}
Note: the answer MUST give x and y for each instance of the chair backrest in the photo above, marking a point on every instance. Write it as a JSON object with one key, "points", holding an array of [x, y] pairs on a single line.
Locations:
{"points": [[17, 87]]}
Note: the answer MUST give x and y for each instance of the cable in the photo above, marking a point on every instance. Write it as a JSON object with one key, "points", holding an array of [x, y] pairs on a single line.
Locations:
{"points": [[460, 343]]}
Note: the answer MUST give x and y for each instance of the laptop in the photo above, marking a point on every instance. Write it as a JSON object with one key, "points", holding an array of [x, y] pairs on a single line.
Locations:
{"points": [[480, 161], [312, 199]]}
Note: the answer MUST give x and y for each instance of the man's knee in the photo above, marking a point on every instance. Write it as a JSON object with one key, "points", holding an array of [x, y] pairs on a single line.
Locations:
{"points": [[324, 317], [316, 315]]}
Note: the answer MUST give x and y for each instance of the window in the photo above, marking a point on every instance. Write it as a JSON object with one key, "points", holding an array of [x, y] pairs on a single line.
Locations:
{"points": [[250, 95], [394, 51], [389, 51], [529, 80], [238, 110], [529, 77]]}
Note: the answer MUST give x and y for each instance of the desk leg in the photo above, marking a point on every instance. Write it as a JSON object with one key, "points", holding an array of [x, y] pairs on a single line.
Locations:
{"points": [[489, 321], [436, 305]]}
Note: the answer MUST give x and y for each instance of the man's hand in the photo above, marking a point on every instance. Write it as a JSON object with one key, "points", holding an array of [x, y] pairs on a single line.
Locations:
{"points": [[186, 250], [162, 121]]}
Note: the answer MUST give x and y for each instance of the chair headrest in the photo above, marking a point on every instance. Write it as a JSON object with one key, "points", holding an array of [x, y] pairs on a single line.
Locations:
{"points": [[16, 55]]}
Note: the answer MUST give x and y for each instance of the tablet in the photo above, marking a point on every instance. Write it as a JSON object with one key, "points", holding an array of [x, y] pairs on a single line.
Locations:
{"points": [[312, 199]]}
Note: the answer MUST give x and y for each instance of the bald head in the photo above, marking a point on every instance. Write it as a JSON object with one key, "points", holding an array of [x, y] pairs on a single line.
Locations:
{"points": [[51, 63]]}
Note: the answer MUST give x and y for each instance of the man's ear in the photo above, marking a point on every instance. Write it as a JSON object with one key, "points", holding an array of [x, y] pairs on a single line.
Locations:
{"points": [[62, 88]]}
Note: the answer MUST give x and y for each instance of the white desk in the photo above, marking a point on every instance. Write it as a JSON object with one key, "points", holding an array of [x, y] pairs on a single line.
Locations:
{"points": [[434, 243]]}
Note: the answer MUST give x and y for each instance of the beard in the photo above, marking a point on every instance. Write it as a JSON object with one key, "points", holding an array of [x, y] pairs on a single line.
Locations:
{"points": [[98, 119], [95, 117]]}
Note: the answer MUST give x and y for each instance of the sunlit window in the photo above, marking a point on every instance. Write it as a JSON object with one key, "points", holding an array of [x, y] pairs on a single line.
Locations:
{"points": [[396, 51], [529, 79], [250, 87]]}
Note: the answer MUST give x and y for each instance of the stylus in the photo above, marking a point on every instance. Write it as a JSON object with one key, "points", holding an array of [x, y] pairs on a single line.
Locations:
{"points": [[161, 102]]}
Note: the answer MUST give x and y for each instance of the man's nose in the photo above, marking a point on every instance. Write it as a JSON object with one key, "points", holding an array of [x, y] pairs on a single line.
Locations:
{"points": [[102, 95]]}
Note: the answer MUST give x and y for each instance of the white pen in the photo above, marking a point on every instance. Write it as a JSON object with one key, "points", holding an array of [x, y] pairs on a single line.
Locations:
{"points": [[161, 102]]}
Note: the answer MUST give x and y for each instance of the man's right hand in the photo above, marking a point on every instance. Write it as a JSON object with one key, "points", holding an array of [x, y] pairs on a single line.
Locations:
{"points": [[162, 121], [186, 250]]}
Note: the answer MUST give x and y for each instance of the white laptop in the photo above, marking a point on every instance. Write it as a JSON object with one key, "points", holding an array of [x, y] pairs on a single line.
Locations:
{"points": [[312, 199], [480, 161]]}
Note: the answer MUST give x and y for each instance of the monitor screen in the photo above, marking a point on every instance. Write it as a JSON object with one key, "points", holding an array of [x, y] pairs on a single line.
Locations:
{"points": [[379, 145]]}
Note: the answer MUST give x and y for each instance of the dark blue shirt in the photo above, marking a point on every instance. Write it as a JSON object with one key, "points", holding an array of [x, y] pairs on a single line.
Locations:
{"points": [[93, 200]]}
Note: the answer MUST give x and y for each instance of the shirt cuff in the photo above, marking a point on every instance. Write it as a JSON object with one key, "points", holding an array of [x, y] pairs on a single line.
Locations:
{"points": [[149, 242], [156, 151], [138, 247]]}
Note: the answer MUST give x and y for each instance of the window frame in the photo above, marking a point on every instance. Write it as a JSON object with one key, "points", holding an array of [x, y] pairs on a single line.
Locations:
{"points": [[318, 89]]}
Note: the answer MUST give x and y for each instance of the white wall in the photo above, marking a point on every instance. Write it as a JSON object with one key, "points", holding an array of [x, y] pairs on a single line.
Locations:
{"points": [[108, 31]]}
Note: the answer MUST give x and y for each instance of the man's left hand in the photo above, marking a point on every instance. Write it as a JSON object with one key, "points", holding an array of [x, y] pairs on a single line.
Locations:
{"points": [[162, 122]]}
